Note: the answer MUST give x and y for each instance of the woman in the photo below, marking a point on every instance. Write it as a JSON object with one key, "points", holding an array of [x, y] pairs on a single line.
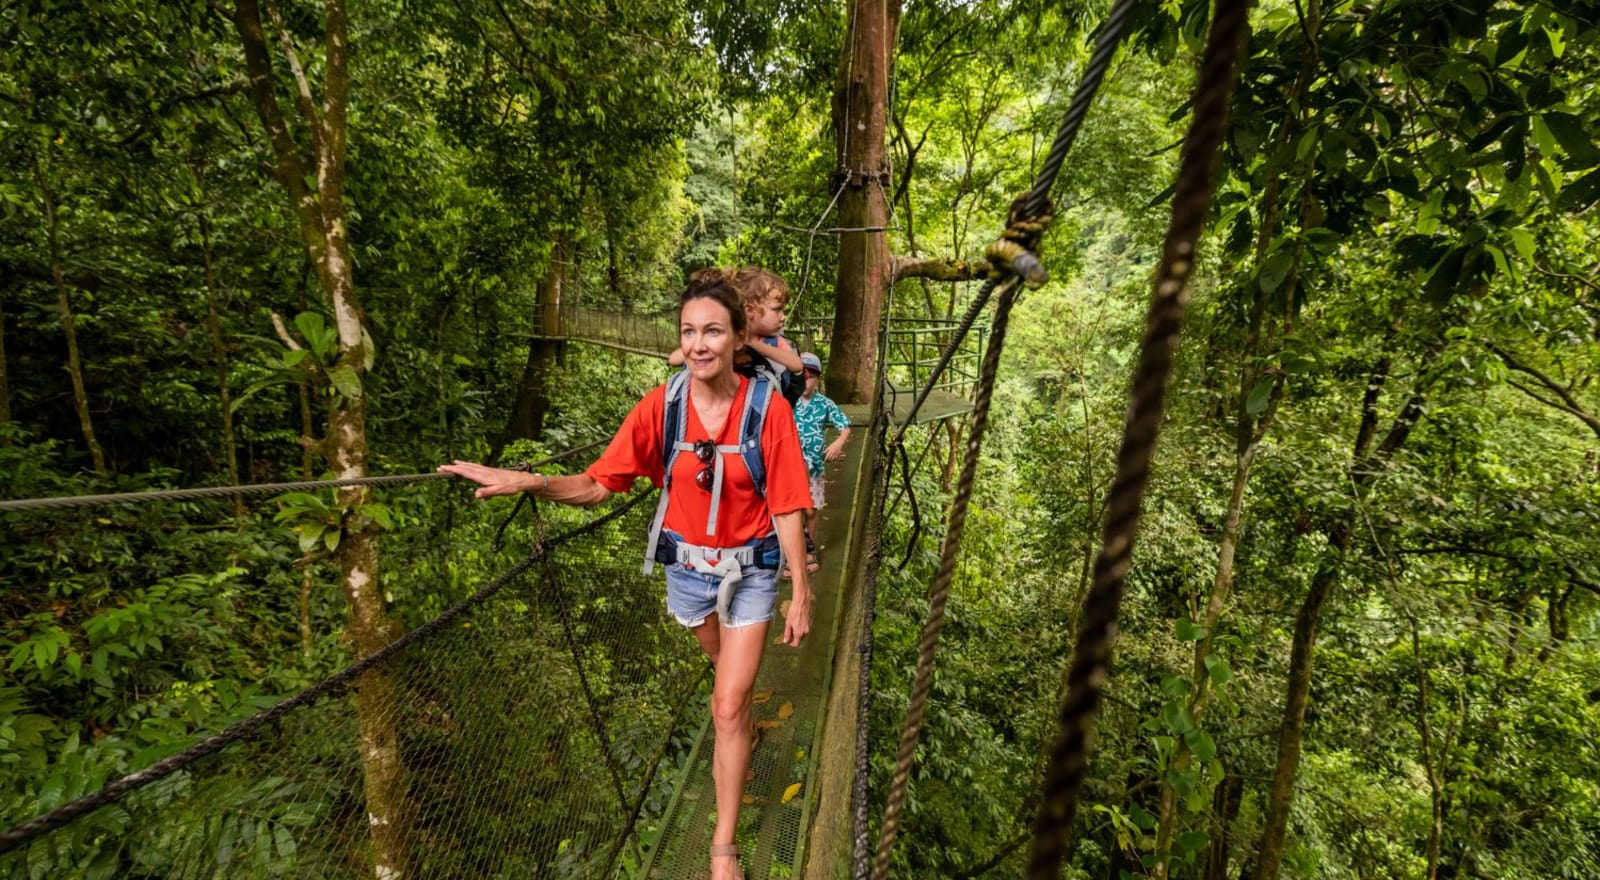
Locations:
{"points": [[723, 592]]}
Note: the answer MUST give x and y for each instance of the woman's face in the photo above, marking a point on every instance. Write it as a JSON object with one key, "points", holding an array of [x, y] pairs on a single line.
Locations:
{"points": [[707, 338]]}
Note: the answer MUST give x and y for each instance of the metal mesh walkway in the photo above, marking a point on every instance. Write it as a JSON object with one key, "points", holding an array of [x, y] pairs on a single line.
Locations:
{"points": [[792, 690]]}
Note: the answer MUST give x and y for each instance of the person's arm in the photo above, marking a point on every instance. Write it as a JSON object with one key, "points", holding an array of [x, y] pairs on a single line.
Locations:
{"points": [[835, 450], [791, 537], [676, 358], [841, 423], [778, 354], [576, 489]]}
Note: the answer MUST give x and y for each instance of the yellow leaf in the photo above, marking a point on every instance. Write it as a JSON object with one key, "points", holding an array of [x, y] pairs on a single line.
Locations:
{"points": [[783, 610], [799, 754], [785, 710], [791, 791], [748, 800], [760, 697], [767, 724]]}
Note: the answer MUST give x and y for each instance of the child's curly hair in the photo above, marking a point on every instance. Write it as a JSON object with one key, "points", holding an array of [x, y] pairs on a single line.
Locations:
{"points": [[757, 285]]}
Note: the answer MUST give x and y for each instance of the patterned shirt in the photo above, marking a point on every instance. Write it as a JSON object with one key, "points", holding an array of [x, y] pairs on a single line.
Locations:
{"points": [[812, 415]]}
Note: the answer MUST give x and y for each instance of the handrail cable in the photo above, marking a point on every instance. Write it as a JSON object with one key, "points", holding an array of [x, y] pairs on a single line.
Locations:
{"points": [[71, 501]]}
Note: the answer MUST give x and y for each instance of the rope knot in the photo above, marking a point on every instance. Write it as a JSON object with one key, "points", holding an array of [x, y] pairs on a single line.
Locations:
{"points": [[1017, 250]]}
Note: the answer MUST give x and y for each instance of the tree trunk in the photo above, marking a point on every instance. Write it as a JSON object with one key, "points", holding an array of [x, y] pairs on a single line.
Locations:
{"points": [[69, 327], [219, 358], [1291, 731], [1249, 429], [1430, 758], [5, 385], [1225, 806], [533, 392], [860, 115], [316, 196]]}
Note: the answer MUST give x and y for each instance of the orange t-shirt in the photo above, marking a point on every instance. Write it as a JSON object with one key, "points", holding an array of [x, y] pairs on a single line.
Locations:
{"points": [[743, 515]]}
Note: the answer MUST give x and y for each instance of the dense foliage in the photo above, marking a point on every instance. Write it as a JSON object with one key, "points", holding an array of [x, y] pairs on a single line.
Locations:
{"points": [[1377, 497]]}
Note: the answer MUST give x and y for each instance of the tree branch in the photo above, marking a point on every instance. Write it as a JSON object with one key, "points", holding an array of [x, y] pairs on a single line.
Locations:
{"points": [[290, 171], [935, 269], [304, 99], [1569, 403]]}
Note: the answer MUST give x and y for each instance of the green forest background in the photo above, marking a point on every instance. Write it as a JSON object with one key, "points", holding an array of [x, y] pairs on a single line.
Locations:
{"points": [[1372, 533]]}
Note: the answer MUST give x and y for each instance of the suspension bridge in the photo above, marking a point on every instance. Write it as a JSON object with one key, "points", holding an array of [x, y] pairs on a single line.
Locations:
{"points": [[547, 724]]}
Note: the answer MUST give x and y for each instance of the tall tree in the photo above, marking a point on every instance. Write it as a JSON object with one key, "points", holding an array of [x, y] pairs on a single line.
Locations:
{"points": [[317, 198]]}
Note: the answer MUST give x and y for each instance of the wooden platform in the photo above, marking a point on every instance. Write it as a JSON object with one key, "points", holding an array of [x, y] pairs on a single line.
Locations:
{"points": [[939, 405]]}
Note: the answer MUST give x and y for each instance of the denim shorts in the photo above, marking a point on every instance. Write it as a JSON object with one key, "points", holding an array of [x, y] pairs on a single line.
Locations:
{"points": [[692, 596]]}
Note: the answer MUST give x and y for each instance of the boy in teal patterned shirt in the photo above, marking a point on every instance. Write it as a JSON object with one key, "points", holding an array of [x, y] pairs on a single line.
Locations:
{"points": [[812, 415]]}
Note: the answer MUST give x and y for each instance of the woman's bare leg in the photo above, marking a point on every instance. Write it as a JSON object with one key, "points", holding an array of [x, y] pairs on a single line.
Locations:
{"points": [[709, 634], [739, 660]]}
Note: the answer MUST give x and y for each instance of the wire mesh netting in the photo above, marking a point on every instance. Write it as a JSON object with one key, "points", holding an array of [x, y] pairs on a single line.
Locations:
{"points": [[521, 739]]}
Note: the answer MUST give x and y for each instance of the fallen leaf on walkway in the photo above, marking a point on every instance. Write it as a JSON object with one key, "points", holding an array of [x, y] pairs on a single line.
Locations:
{"points": [[783, 610], [760, 697], [791, 791], [767, 724], [785, 710], [748, 800]]}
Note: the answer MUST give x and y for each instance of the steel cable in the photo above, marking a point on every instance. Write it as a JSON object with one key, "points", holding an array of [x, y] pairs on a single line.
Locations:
{"points": [[70, 501]]}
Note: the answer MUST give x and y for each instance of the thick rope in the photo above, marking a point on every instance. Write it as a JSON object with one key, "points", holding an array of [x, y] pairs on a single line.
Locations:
{"points": [[1038, 198], [1091, 658], [70, 501], [1025, 225], [939, 590], [333, 684]]}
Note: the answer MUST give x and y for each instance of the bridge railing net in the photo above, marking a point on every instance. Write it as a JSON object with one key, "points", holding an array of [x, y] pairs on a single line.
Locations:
{"points": [[530, 731], [654, 332]]}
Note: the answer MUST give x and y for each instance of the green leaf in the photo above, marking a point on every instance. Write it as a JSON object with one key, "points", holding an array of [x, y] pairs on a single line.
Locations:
{"points": [[330, 539], [1192, 841], [308, 537], [1274, 269], [1580, 193], [1522, 241], [1201, 745], [346, 382], [1217, 667], [1177, 718], [1259, 395], [1189, 631], [316, 332], [1574, 138], [378, 513]]}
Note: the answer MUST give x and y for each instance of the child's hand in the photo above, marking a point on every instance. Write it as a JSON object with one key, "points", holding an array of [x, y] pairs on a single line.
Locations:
{"points": [[834, 452]]}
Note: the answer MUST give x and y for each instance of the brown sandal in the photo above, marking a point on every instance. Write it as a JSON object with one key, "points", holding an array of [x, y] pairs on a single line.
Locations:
{"points": [[728, 850]]}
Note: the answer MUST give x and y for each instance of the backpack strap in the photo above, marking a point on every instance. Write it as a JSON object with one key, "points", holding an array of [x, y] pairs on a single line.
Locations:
{"points": [[757, 399], [675, 422]]}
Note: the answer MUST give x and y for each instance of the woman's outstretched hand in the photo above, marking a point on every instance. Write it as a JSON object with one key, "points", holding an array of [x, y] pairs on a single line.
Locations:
{"points": [[797, 623], [492, 481]]}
